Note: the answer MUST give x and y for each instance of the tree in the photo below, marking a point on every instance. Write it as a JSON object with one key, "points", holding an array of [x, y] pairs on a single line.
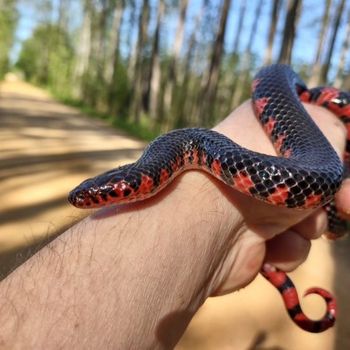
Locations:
{"points": [[235, 53], [242, 80], [131, 46], [210, 89], [154, 72], [238, 35], [138, 74], [112, 54], [292, 16], [43, 66], [335, 28], [344, 52], [175, 55], [8, 22], [83, 49], [316, 67], [272, 31], [183, 102]]}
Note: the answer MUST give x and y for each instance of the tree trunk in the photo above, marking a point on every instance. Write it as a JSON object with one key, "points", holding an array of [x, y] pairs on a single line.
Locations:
{"points": [[138, 78], [112, 57], [272, 31], [241, 16], [83, 50], [243, 77], [155, 73], [175, 55], [235, 57], [131, 47], [114, 41], [316, 67], [344, 52], [63, 20], [101, 97], [288, 37], [182, 101], [326, 65], [210, 89]]}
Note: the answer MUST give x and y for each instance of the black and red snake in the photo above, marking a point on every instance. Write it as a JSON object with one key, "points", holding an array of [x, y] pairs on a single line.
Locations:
{"points": [[306, 174]]}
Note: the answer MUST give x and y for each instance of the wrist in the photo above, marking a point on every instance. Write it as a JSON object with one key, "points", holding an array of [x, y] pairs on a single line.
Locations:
{"points": [[190, 227]]}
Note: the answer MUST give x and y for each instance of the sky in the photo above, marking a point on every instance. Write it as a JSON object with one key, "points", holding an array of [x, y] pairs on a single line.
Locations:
{"points": [[303, 51]]}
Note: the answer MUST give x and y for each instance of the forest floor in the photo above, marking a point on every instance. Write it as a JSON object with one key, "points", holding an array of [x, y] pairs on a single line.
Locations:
{"points": [[47, 148]]}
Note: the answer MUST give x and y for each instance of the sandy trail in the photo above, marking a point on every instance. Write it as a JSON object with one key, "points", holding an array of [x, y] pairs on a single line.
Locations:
{"points": [[47, 148]]}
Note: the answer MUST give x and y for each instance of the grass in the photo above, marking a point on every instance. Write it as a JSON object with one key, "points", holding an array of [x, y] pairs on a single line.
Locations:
{"points": [[142, 130]]}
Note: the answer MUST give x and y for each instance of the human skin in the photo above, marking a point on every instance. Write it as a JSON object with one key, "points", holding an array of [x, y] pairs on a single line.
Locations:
{"points": [[133, 276]]}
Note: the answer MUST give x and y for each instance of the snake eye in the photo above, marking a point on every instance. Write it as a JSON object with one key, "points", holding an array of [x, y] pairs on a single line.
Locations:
{"points": [[77, 197], [127, 191]]}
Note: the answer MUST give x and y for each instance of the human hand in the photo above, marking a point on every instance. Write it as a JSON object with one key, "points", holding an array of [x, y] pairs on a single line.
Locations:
{"points": [[276, 235]]}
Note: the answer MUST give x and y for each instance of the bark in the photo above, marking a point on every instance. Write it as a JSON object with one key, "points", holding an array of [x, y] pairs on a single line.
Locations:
{"points": [[175, 55], [241, 82], [112, 58], [344, 52], [114, 42], [101, 53], [204, 49], [131, 59], [155, 73], [183, 102], [83, 49], [272, 31], [63, 20], [138, 78], [209, 93], [288, 37], [92, 76], [335, 28], [241, 16], [235, 58], [316, 68]]}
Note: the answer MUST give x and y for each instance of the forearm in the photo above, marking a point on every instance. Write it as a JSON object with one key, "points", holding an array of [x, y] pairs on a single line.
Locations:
{"points": [[130, 280]]}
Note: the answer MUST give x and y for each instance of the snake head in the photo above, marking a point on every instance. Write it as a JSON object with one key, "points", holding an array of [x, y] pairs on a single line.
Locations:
{"points": [[89, 195]]}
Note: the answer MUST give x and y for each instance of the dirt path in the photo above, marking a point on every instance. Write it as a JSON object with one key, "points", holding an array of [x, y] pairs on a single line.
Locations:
{"points": [[47, 148]]}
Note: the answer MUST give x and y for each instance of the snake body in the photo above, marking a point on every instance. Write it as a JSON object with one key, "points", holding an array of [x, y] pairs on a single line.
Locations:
{"points": [[306, 174]]}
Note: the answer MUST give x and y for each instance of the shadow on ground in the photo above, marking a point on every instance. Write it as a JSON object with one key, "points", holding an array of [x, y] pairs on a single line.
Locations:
{"points": [[47, 149]]}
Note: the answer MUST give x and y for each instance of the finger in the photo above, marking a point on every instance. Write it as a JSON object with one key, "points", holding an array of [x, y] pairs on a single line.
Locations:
{"points": [[287, 250], [314, 226]]}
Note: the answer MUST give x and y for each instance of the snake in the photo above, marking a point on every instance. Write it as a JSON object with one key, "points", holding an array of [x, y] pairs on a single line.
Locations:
{"points": [[306, 173]]}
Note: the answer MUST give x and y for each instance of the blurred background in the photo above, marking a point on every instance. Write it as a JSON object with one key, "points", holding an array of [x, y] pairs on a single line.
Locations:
{"points": [[85, 83]]}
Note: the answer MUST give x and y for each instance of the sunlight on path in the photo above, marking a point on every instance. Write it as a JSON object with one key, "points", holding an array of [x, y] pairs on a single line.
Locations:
{"points": [[46, 150]]}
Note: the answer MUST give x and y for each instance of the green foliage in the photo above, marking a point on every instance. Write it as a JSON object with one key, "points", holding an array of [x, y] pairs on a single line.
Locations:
{"points": [[8, 21], [150, 89], [46, 58], [113, 97], [119, 95], [31, 63], [79, 73], [145, 130]]}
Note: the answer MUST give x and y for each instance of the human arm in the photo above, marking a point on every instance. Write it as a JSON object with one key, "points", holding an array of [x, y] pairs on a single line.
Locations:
{"points": [[133, 276]]}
